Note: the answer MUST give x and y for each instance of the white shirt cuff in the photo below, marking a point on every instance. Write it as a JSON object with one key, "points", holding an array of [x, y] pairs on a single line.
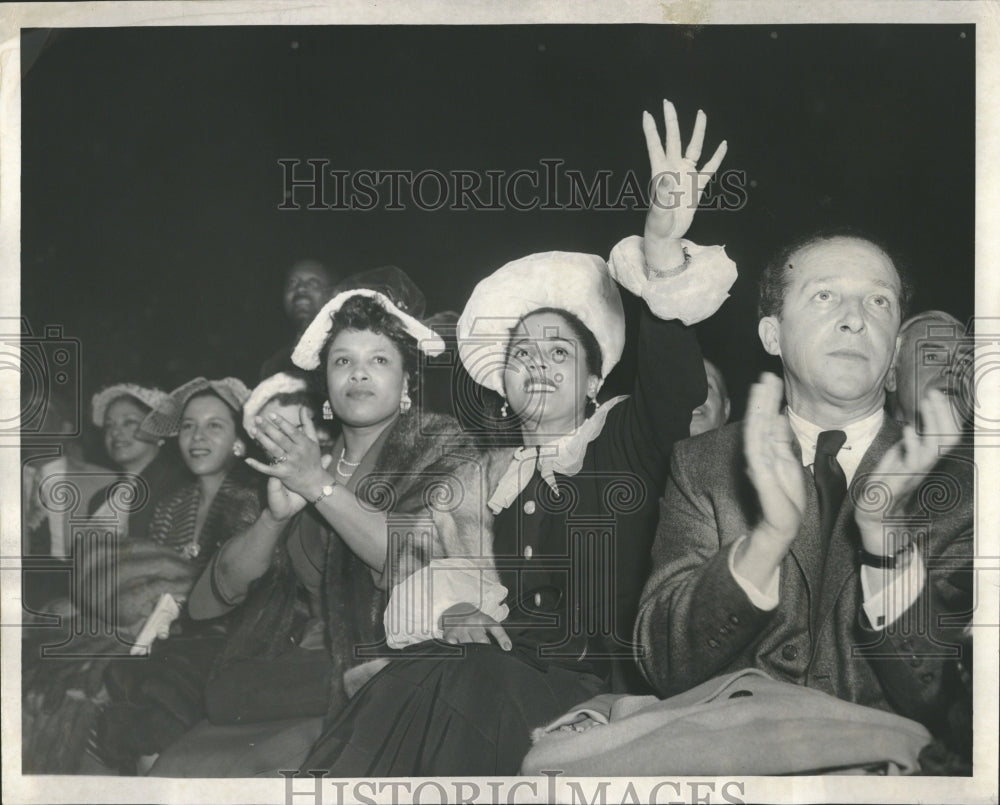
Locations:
{"points": [[766, 599], [413, 614], [889, 593], [691, 295]]}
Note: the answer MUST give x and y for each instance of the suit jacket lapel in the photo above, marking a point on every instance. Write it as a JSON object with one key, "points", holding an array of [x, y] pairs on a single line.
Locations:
{"points": [[841, 554]]}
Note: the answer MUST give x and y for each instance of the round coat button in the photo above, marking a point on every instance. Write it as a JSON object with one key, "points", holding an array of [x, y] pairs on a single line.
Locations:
{"points": [[790, 652], [528, 552], [529, 507]]}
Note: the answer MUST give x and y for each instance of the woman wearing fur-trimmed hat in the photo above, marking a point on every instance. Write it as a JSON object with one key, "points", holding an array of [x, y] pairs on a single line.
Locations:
{"points": [[306, 547], [155, 701], [119, 411], [538, 553]]}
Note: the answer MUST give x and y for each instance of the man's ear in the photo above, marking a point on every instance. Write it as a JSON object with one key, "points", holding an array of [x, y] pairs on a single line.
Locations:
{"points": [[890, 378], [769, 331]]}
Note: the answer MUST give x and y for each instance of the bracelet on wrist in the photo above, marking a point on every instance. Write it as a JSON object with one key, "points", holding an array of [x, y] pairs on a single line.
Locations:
{"points": [[324, 493]]}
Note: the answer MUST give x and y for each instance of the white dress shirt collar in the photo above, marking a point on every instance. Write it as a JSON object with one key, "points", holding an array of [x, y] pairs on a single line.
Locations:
{"points": [[860, 436]]}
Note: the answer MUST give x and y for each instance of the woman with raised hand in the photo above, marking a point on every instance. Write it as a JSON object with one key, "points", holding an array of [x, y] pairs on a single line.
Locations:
{"points": [[537, 555]]}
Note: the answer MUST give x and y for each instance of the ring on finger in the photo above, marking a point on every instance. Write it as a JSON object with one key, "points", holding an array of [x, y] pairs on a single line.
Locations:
{"points": [[279, 460]]}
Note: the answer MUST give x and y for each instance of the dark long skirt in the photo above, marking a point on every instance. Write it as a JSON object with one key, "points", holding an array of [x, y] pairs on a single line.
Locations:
{"points": [[456, 716]]}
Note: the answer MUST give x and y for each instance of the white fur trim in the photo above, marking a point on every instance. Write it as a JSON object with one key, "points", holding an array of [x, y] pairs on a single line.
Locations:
{"points": [[413, 612], [99, 402], [165, 419], [306, 352], [691, 295], [281, 383], [579, 283]]}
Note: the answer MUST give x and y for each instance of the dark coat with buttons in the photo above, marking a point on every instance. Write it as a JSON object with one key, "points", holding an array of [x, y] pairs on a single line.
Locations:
{"points": [[695, 622]]}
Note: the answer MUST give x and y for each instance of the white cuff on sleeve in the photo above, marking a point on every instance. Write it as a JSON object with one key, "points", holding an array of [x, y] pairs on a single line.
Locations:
{"points": [[416, 604], [889, 593], [691, 295], [766, 599]]}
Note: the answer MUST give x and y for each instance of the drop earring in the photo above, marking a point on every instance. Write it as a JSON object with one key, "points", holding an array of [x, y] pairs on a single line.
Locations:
{"points": [[503, 409], [405, 403], [327, 410]]}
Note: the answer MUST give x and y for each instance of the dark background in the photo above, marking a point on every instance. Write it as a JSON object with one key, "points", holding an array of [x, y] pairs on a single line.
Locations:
{"points": [[150, 183]]}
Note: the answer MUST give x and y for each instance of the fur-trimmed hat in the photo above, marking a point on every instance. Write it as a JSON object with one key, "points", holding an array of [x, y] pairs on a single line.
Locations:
{"points": [[165, 418], [268, 388], [150, 397], [578, 283], [397, 294]]}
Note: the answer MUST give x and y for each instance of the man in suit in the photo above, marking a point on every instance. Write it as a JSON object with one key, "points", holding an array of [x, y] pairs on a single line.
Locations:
{"points": [[774, 548]]}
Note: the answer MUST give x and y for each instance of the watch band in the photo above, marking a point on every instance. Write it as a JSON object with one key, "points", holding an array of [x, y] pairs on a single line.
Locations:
{"points": [[899, 560], [325, 492]]}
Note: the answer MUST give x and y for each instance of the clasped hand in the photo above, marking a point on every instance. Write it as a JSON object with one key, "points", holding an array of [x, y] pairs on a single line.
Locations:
{"points": [[773, 467], [297, 470], [903, 468], [776, 471], [464, 623]]}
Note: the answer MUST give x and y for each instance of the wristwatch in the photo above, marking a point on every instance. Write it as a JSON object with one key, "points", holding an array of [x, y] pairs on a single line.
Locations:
{"points": [[325, 492], [898, 560]]}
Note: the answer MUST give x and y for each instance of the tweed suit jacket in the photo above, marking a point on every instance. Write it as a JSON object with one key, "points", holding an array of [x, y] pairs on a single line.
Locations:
{"points": [[695, 621]]}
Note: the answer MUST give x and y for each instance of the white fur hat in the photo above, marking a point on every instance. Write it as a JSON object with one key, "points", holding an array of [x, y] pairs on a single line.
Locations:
{"points": [[99, 403], [306, 352], [281, 383], [165, 418], [578, 283]]}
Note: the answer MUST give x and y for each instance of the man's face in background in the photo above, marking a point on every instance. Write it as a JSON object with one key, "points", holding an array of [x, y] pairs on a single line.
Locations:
{"points": [[307, 289]]}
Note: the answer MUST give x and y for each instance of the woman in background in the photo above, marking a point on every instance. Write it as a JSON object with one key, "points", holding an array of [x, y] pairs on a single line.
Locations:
{"points": [[135, 705], [119, 411], [155, 702]]}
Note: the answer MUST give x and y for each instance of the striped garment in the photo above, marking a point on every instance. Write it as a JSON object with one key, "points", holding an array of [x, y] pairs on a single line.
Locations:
{"points": [[235, 507]]}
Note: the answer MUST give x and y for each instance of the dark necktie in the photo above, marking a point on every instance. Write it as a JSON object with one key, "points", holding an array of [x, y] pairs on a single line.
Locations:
{"points": [[831, 483]]}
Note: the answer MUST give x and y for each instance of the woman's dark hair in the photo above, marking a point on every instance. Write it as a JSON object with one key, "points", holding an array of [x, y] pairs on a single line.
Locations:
{"points": [[309, 399], [581, 334], [237, 419], [368, 313], [776, 276]]}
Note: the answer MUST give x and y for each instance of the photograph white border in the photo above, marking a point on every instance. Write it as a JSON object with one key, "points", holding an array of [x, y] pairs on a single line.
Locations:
{"points": [[985, 15]]}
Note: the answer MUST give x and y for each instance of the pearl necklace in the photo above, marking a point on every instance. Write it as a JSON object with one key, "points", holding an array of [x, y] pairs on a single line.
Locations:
{"points": [[352, 464]]}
